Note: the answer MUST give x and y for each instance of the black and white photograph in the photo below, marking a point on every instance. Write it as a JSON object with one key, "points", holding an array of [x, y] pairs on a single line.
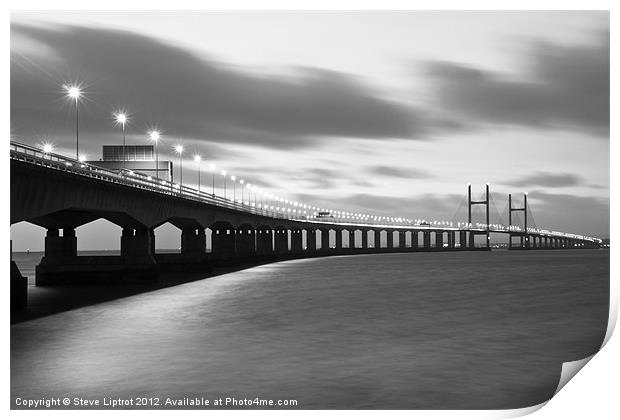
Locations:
{"points": [[307, 209]]}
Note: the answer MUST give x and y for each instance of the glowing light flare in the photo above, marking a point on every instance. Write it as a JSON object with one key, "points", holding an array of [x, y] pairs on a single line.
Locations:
{"points": [[73, 91], [178, 149], [154, 135], [48, 148], [121, 118]]}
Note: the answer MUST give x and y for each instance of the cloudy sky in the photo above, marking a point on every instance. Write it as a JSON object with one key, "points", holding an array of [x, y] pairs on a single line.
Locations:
{"points": [[390, 113]]}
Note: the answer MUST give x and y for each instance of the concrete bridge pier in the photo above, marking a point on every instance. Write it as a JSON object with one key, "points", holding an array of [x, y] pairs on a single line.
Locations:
{"points": [[296, 240], [414, 239], [402, 243], [427, 240], [471, 243], [439, 240], [223, 243], [352, 239], [365, 239], [311, 240], [338, 233], [377, 236], [59, 251], [136, 246], [138, 260], [281, 241], [245, 241], [264, 241], [451, 239], [462, 239], [389, 234], [60, 248], [193, 244], [324, 242]]}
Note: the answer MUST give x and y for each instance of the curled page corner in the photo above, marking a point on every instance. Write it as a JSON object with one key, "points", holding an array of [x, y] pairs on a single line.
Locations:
{"points": [[570, 369], [521, 412]]}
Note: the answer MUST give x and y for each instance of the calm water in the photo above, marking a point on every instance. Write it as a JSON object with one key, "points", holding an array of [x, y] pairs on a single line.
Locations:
{"points": [[428, 330]]}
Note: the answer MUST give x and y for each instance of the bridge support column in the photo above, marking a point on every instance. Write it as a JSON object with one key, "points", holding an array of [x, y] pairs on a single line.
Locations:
{"points": [[390, 239], [136, 246], [439, 240], [352, 239], [451, 240], [281, 241], [223, 243], [324, 240], [414, 239], [402, 243], [462, 239], [377, 243], [60, 251], [296, 240], [245, 242], [338, 239], [471, 241], [264, 242], [139, 261], [193, 243], [311, 240], [365, 239], [60, 248], [427, 239]]}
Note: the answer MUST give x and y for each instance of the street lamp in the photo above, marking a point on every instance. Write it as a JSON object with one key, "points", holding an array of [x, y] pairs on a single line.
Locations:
{"points": [[242, 182], [212, 168], [154, 136], [197, 159], [74, 93], [121, 119], [249, 194], [234, 179], [179, 150], [224, 175], [48, 148]]}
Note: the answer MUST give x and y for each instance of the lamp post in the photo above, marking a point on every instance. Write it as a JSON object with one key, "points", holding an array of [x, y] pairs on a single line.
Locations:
{"points": [[212, 168], [234, 179], [121, 119], [197, 159], [179, 150], [224, 175], [154, 136], [249, 194], [242, 182], [74, 92]]}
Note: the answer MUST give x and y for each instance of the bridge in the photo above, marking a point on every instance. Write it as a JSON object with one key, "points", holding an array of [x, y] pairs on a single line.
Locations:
{"points": [[60, 194]]}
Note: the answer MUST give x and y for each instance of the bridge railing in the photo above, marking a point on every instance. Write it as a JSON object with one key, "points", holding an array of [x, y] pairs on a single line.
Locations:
{"points": [[132, 179]]}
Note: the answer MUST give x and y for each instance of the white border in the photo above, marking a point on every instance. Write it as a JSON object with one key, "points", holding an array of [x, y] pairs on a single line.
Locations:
{"points": [[593, 394]]}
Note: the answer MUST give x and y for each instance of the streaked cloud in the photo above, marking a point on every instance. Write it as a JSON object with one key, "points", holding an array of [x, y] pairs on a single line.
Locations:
{"points": [[397, 172], [194, 96], [567, 87], [545, 179]]}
